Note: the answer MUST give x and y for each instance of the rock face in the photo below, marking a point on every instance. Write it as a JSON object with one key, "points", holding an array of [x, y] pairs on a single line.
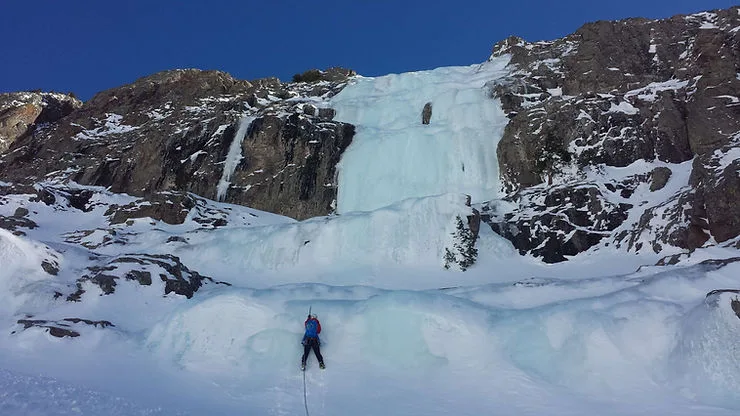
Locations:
{"points": [[16, 222], [21, 112], [563, 221], [62, 328], [142, 268], [113, 214], [426, 113], [610, 95], [174, 131]]}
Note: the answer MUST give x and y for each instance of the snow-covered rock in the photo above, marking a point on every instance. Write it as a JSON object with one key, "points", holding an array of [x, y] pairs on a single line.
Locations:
{"points": [[614, 94], [22, 112]]}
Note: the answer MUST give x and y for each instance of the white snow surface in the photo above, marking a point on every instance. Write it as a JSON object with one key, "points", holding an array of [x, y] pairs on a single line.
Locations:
{"points": [[21, 271], [111, 125], [605, 333], [623, 107], [650, 92]]}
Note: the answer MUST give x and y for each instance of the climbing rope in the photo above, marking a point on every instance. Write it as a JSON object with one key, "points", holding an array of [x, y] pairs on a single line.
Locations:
{"points": [[305, 400]]}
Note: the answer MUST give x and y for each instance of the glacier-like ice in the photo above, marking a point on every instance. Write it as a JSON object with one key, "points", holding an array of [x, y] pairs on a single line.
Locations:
{"points": [[393, 156]]}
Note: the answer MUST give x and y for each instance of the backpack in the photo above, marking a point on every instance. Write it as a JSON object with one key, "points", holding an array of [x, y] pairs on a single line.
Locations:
{"points": [[311, 328]]}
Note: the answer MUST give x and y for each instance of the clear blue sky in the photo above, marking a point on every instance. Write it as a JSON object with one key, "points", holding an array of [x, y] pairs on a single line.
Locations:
{"points": [[86, 46]]}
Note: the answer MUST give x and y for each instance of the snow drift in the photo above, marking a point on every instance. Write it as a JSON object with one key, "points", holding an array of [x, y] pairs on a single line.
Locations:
{"points": [[653, 334], [22, 275]]}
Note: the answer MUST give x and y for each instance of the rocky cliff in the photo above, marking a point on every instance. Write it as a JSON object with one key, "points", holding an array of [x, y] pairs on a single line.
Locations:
{"points": [[611, 95], [174, 131], [22, 112]]}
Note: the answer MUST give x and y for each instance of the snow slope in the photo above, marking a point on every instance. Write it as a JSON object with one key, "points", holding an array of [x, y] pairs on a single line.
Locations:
{"points": [[22, 272], [647, 341], [604, 333]]}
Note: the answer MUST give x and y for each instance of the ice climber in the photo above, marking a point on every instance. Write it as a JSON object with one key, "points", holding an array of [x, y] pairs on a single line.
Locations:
{"points": [[311, 340]]}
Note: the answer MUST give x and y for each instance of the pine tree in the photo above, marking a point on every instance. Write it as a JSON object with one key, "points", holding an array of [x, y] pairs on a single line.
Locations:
{"points": [[463, 252], [449, 258]]}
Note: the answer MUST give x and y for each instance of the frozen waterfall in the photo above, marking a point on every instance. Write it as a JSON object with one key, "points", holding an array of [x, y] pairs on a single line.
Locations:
{"points": [[454, 153], [233, 157]]}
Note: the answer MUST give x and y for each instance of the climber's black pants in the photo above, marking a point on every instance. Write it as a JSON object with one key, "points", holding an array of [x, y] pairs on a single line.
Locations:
{"points": [[312, 343]]}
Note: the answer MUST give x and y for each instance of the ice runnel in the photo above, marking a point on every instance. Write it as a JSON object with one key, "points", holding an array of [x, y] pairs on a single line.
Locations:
{"points": [[233, 157], [455, 152]]}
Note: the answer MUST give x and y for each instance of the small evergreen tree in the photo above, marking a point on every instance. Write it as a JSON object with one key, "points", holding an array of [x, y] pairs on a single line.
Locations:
{"points": [[312, 75], [552, 158], [463, 252], [449, 258]]}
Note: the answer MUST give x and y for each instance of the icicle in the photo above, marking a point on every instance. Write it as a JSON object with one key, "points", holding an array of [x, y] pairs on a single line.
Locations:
{"points": [[233, 158]]}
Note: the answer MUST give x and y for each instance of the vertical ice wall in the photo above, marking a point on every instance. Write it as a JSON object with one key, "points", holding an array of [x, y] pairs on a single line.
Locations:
{"points": [[233, 157], [414, 232], [394, 156]]}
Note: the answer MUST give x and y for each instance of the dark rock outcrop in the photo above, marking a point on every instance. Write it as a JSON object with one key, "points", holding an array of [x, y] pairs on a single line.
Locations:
{"points": [[426, 113], [554, 223], [142, 268], [335, 74], [716, 200], [62, 328], [169, 207], [15, 223], [659, 178], [22, 112], [288, 165]]}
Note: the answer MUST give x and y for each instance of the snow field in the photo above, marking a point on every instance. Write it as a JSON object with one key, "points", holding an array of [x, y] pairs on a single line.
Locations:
{"points": [[500, 338], [21, 273], [635, 340], [707, 359], [36, 396], [640, 343], [626, 347]]}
